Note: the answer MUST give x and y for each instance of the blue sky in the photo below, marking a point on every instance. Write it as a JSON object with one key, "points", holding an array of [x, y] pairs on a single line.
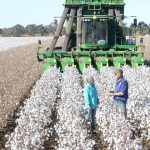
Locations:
{"points": [[26, 12]]}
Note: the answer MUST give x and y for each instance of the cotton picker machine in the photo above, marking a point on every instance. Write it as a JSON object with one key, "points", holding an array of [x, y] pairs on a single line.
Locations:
{"points": [[94, 36]]}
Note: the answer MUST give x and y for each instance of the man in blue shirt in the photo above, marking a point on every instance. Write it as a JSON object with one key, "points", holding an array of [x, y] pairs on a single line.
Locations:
{"points": [[120, 93], [91, 102]]}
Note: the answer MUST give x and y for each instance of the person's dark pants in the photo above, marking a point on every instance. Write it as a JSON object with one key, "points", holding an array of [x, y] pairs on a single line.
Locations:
{"points": [[90, 117], [121, 105]]}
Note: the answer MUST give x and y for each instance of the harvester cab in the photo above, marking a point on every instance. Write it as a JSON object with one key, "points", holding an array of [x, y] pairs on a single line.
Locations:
{"points": [[99, 36]]}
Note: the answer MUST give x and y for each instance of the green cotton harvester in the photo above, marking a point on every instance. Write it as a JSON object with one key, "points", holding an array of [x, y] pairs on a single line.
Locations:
{"points": [[94, 36]]}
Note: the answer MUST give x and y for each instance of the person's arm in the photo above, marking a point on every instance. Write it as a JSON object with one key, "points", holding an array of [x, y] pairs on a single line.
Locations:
{"points": [[116, 94], [122, 91]]}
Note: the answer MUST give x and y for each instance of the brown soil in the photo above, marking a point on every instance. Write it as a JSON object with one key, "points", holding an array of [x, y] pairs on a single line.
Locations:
{"points": [[147, 47], [19, 70]]}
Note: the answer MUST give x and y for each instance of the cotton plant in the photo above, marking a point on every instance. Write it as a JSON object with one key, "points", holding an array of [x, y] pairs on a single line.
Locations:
{"points": [[117, 133], [70, 128]]}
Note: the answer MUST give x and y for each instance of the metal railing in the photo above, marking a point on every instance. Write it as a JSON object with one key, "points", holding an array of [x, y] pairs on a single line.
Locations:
{"points": [[93, 1]]}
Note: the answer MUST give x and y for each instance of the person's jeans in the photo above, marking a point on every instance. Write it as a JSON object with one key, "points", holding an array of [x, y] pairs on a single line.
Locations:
{"points": [[121, 105], [90, 116]]}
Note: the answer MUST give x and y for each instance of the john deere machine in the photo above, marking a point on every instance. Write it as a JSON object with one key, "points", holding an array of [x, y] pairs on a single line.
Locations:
{"points": [[94, 36]]}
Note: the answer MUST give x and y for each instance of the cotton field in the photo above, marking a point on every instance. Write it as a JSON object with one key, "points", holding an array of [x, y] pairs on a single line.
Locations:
{"points": [[36, 126], [32, 128]]}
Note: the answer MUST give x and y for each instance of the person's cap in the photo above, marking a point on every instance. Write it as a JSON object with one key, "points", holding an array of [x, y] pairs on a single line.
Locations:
{"points": [[118, 71]]}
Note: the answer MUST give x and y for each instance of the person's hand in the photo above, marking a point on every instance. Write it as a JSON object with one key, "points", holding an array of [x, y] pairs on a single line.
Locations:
{"points": [[111, 93]]}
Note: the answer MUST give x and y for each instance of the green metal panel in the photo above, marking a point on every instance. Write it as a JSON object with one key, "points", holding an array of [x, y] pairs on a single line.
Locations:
{"points": [[137, 53], [99, 53], [119, 58], [48, 62], [100, 62], [92, 47], [66, 59], [125, 47], [83, 53], [119, 61], [100, 58], [110, 52], [136, 61], [65, 62], [83, 62], [45, 67]]}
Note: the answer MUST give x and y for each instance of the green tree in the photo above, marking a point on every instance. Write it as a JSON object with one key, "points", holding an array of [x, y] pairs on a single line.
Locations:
{"points": [[143, 28], [15, 31], [1, 31], [7, 32], [40, 29], [30, 29], [49, 29], [18, 30], [149, 29]]}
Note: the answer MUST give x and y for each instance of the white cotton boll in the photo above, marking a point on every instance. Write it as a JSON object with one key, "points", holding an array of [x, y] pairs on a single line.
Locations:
{"points": [[138, 147]]}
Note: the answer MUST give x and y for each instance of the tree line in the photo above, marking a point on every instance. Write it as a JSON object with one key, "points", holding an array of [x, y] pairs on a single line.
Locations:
{"points": [[39, 30], [142, 28], [30, 30]]}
